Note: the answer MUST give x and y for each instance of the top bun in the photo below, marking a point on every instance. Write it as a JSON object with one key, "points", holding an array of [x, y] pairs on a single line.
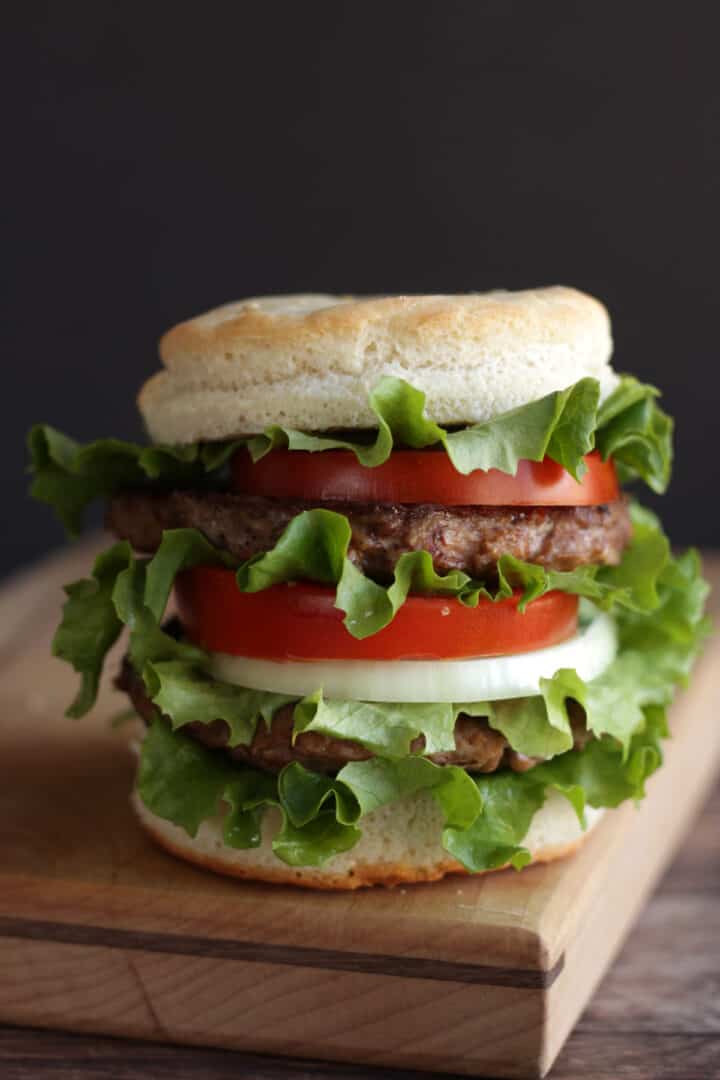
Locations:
{"points": [[309, 361]]}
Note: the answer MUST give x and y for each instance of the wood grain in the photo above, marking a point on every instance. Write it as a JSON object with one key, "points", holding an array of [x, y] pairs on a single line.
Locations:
{"points": [[101, 932]]}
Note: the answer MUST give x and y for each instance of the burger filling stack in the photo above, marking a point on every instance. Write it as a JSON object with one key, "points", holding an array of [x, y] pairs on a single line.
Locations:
{"points": [[391, 614]]}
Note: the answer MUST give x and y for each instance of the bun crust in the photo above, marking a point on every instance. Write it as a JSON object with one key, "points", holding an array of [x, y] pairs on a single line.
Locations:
{"points": [[400, 845], [309, 361]]}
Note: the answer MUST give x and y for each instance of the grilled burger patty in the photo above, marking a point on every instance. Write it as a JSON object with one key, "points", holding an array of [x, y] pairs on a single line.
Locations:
{"points": [[478, 748], [469, 538]]}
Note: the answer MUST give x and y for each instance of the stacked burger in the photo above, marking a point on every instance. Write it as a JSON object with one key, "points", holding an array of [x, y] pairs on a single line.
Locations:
{"points": [[390, 614]]}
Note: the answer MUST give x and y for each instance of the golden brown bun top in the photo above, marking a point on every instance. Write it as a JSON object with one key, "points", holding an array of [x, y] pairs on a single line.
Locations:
{"points": [[308, 361]]}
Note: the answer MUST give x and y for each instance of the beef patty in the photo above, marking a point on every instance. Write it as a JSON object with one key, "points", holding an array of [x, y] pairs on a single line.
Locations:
{"points": [[469, 538], [478, 748]]}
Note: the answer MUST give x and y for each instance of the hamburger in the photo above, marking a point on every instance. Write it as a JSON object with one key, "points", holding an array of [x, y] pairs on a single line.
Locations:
{"points": [[391, 614]]}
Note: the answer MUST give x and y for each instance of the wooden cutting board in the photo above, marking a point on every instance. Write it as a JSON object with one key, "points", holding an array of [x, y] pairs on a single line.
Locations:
{"points": [[101, 932]]}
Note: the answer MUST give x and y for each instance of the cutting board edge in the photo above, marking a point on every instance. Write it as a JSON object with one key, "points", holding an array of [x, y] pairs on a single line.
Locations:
{"points": [[400, 966]]}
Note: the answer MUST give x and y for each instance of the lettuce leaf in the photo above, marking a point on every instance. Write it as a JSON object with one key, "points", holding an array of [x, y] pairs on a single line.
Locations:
{"points": [[560, 425], [247, 795], [598, 776], [634, 430], [69, 476], [379, 782], [399, 409], [509, 803], [313, 844], [535, 726], [179, 550], [313, 546], [564, 425], [90, 624], [387, 729], [147, 640], [187, 694], [181, 780], [132, 592]]}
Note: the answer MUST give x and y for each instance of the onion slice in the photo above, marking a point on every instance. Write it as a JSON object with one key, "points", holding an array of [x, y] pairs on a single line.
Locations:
{"points": [[588, 652]]}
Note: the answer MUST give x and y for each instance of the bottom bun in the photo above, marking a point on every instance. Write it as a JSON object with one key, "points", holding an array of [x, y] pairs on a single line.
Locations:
{"points": [[400, 844]]}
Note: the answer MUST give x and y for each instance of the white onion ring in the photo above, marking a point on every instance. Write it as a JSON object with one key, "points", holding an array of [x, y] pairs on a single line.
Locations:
{"points": [[588, 652]]}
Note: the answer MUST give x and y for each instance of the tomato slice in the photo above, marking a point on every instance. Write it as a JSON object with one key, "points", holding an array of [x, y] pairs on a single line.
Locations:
{"points": [[420, 476], [300, 622]]}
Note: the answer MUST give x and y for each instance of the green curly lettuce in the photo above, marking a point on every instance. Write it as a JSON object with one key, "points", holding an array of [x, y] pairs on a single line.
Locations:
{"points": [[184, 692], [386, 728], [563, 425], [636, 433], [597, 776], [126, 591], [184, 782], [69, 476], [485, 817], [90, 624], [560, 425]]}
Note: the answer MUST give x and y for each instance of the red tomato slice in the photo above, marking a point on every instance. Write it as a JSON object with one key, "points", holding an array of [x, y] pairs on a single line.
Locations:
{"points": [[300, 622], [420, 476]]}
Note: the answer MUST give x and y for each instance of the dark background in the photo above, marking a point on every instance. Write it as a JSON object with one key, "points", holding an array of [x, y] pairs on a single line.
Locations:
{"points": [[162, 158]]}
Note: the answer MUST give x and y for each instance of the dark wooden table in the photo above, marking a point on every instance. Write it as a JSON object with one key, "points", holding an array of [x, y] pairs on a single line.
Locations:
{"points": [[656, 1016]]}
